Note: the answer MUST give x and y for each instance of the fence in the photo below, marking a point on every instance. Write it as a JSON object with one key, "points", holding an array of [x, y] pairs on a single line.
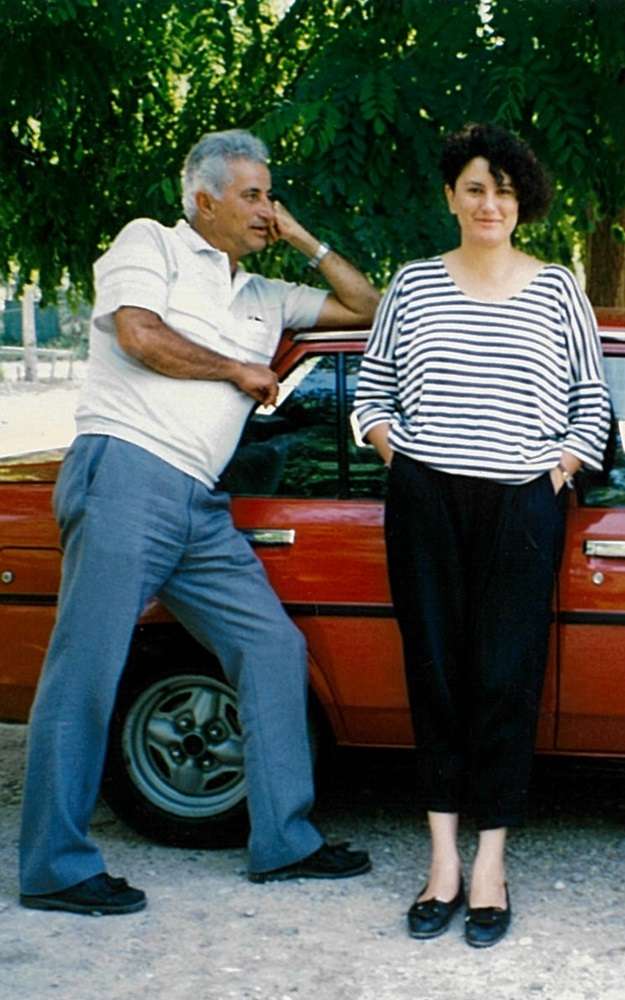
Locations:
{"points": [[49, 354]]}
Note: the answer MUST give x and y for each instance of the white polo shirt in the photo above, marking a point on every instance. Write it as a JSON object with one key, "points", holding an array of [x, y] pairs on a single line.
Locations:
{"points": [[194, 425]]}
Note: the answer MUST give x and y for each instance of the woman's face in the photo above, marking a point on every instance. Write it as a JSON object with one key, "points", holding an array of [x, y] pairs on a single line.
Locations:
{"points": [[487, 210]]}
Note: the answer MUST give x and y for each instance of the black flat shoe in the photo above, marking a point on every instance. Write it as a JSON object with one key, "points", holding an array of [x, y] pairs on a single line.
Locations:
{"points": [[486, 925], [428, 918], [97, 896]]}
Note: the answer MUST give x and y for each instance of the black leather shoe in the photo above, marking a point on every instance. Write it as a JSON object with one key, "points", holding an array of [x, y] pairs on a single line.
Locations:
{"points": [[486, 925], [427, 918], [97, 896], [329, 861]]}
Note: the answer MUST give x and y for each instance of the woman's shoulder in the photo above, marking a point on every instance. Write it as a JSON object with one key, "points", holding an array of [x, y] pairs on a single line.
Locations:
{"points": [[561, 282], [562, 286], [423, 269], [558, 273]]}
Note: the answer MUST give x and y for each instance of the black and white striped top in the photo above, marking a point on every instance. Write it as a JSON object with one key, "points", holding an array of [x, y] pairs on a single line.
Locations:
{"points": [[489, 389]]}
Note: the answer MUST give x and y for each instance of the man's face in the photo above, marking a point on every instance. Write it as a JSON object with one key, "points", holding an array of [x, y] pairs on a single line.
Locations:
{"points": [[241, 217]]}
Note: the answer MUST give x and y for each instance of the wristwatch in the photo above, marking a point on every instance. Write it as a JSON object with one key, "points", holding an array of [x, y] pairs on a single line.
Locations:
{"points": [[320, 253]]}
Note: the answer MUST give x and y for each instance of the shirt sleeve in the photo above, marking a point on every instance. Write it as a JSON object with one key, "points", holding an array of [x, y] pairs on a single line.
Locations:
{"points": [[301, 304], [134, 271], [589, 396], [377, 390]]}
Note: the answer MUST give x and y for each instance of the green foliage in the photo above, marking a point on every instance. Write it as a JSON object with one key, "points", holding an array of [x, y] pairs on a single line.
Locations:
{"points": [[101, 99], [567, 99], [86, 111], [359, 139]]}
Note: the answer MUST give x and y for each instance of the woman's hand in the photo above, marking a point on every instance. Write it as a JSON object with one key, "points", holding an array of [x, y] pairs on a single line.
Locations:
{"points": [[557, 479], [378, 437], [564, 471]]}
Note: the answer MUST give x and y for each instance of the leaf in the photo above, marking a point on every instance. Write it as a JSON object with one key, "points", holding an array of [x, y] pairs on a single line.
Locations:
{"points": [[169, 191]]}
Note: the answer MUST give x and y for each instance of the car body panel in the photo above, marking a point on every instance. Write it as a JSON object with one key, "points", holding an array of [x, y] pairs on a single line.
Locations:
{"points": [[325, 558]]}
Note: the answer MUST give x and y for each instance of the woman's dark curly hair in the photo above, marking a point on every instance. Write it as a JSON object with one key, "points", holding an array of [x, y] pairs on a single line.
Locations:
{"points": [[505, 154]]}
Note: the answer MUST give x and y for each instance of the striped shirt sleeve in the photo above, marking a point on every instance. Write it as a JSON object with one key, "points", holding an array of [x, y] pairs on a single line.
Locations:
{"points": [[589, 398], [377, 390]]}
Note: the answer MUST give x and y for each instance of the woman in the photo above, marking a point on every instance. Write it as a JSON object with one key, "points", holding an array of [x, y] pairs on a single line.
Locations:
{"points": [[482, 390]]}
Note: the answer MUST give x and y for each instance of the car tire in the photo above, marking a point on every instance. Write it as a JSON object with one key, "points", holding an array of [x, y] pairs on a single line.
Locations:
{"points": [[174, 769]]}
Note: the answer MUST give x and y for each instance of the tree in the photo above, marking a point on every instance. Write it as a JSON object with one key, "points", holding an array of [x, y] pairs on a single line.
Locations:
{"points": [[100, 100], [366, 117], [558, 75], [90, 91]]}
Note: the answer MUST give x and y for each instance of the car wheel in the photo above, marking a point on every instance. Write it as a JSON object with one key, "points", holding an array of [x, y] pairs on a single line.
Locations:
{"points": [[175, 762]]}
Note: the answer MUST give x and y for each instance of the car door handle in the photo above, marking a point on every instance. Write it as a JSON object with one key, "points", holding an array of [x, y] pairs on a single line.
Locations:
{"points": [[270, 536], [608, 548]]}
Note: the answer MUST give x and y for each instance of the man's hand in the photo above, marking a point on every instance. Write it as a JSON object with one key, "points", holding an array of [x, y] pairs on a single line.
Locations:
{"points": [[285, 227], [258, 381], [354, 300]]}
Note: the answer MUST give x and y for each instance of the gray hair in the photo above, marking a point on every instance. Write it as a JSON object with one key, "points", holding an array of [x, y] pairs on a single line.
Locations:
{"points": [[206, 165]]}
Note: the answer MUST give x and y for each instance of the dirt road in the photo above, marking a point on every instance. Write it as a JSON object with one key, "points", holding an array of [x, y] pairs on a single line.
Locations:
{"points": [[37, 416], [208, 934]]}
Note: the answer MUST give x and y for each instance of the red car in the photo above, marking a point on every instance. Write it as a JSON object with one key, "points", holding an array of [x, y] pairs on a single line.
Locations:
{"points": [[311, 500]]}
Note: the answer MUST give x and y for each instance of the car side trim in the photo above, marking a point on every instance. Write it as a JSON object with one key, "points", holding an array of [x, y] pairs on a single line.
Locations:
{"points": [[31, 599], [314, 610], [592, 617], [386, 611], [340, 610]]}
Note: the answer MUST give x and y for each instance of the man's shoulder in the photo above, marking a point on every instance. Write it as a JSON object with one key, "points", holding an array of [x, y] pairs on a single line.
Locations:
{"points": [[149, 230], [140, 241]]}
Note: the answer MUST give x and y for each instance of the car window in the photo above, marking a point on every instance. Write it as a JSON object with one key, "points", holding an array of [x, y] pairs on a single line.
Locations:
{"points": [[303, 447], [608, 489], [367, 473], [291, 449]]}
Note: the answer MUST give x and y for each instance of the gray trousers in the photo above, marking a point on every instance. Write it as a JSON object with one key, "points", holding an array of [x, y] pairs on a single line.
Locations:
{"points": [[134, 527]]}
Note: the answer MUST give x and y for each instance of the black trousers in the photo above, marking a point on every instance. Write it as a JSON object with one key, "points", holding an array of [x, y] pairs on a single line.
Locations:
{"points": [[472, 566]]}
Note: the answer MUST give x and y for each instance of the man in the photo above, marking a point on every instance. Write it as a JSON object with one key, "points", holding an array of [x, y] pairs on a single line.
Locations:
{"points": [[181, 340]]}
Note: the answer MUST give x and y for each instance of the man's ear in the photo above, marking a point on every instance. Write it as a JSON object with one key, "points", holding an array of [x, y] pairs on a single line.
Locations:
{"points": [[205, 204], [449, 194]]}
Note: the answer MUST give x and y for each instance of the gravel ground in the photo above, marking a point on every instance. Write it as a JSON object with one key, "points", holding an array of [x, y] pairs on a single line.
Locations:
{"points": [[208, 934]]}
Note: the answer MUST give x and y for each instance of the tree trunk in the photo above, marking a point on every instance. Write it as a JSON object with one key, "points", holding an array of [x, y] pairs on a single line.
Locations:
{"points": [[29, 334], [606, 264]]}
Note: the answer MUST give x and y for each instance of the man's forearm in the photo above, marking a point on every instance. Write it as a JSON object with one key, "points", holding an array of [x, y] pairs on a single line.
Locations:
{"points": [[354, 300], [154, 344], [350, 286], [147, 339]]}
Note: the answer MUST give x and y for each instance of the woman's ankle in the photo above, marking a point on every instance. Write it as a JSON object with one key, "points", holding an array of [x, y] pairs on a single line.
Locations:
{"points": [[444, 880]]}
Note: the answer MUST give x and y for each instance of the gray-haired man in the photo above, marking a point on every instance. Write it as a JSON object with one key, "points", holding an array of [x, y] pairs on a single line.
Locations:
{"points": [[181, 342]]}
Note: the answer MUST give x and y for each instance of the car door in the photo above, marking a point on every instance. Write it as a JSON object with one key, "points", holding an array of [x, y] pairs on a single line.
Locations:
{"points": [[311, 503], [30, 569], [591, 624]]}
